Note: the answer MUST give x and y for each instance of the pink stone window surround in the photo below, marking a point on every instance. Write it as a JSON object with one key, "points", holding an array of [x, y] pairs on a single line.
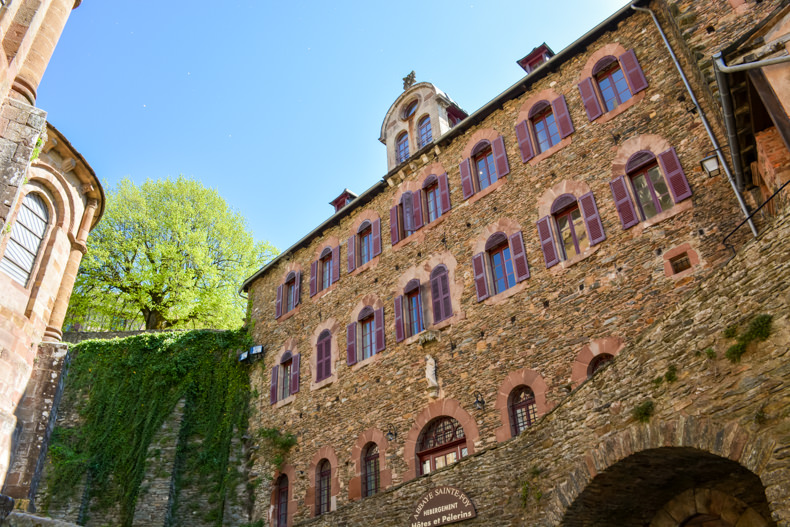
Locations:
{"points": [[609, 83], [364, 245], [414, 206], [485, 164], [325, 270], [323, 478], [288, 294], [360, 453], [442, 443], [545, 128], [501, 266], [522, 386], [282, 499], [365, 336]]}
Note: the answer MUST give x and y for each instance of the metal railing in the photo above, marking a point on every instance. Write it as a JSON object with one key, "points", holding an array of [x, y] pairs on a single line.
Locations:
{"points": [[755, 211]]}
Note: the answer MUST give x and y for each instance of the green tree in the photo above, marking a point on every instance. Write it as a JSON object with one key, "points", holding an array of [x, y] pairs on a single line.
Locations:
{"points": [[170, 252]]}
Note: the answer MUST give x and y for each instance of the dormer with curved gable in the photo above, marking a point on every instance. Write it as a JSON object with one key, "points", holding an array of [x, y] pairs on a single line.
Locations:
{"points": [[420, 115]]}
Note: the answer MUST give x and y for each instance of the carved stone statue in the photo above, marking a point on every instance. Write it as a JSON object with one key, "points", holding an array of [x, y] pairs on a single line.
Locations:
{"points": [[430, 373], [408, 80]]}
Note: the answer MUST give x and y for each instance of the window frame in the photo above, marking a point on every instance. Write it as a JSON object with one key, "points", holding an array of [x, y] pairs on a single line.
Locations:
{"points": [[413, 312], [424, 131], [529, 407], [567, 212], [365, 238], [10, 266], [371, 464], [432, 198], [456, 444], [323, 356], [484, 153], [367, 334], [598, 362], [402, 147], [540, 114], [323, 487], [284, 389], [502, 250], [280, 515], [607, 72], [644, 172]]}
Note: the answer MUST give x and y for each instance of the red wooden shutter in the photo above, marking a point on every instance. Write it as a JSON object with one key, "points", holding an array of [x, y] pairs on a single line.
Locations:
{"points": [[500, 157], [673, 171], [376, 228], [447, 303], [561, 116], [297, 288], [444, 193], [327, 369], [278, 305], [351, 250], [633, 71], [590, 99], [519, 256], [394, 230], [378, 324], [547, 243], [524, 142], [466, 178], [417, 210], [399, 336], [436, 297], [319, 361], [623, 204], [335, 264], [592, 219], [479, 268], [295, 373], [351, 344], [314, 277], [273, 388]]}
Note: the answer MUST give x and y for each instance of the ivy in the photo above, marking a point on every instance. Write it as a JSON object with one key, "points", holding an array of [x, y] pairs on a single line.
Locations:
{"points": [[279, 445], [125, 389]]}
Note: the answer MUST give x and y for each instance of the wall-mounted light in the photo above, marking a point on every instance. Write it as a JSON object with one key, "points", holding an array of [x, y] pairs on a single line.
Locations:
{"points": [[711, 165], [391, 433], [243, 356], [479, 403]]}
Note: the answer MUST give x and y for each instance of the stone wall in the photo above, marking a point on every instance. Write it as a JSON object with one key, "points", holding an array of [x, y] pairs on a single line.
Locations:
{"points": [[734, 413], [537, 329]]}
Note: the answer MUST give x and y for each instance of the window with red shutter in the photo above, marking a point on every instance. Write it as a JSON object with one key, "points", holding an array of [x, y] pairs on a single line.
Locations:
{"points": [[519, 257], [483, 166], [336, 264], [544, 126], [501, 264], [440, 294], [376, 237], [399, 330], [323, 361], [351, 344], [614, 81]]}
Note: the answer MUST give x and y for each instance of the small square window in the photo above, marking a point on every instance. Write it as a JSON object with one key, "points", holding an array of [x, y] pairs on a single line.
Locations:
{"points": [[680, 263]]}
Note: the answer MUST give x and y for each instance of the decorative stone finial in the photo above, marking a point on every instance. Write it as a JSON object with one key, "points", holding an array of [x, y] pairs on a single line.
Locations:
{"points": [[408, 80]]}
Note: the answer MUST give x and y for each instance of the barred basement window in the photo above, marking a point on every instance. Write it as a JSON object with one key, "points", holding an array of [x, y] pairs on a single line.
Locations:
{"points": [[597, 363], [323, 477], [371, 478], [680, 263], [281, 502]]}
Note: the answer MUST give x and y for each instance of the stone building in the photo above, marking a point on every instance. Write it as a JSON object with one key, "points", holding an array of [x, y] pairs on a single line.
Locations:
{"points": [[50, 200], [488, 314]]}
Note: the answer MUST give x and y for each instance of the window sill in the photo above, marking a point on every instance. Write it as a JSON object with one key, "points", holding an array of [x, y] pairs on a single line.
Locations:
{"points": [[286, 316], [324, 292], [369, 360], [488, 190], [325, 382], [608, 116], [560, 267], [367, 265], [283, 402], [448, 321], [419, 235], [551, 151], [500, 298], [681, 207]]}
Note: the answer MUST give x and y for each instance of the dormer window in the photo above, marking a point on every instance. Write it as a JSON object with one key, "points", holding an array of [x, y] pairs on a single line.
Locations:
{"points": [[402, 147], [424, 129], [409, 110]]}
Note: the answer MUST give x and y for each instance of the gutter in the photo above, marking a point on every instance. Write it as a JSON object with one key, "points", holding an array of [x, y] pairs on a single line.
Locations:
{"points": [[716, 147]]}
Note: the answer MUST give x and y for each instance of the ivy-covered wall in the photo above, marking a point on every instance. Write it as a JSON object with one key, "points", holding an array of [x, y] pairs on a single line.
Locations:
{"points": [[151, 430]]}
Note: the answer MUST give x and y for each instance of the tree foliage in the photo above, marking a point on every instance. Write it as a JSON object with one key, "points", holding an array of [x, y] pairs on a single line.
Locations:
{"points": [[170, 253]]}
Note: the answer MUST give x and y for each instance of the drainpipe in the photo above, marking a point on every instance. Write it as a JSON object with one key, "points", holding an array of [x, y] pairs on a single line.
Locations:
{"points": [[716, 147]]}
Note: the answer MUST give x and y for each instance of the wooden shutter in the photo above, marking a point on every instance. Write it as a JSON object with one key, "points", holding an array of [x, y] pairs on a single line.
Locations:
{"points": [[547, 243], [479, 268], [295, 373], [327, 370], [436, 297], [351, 344], [466, 178], [314, 277], [444, 193], [417, 209], [519, 257], [524, 142], [278, 305], [320, 357], [273, 388], [336, 264], [623, 204], [633, 71], [447, 303], [399, 334], [351, 250], [394, 230], [590, 99], [297, 288], [561, 116], [500, 157], [592, 219], [378, 324], [673, 171], [407, 203], [376, 228]]}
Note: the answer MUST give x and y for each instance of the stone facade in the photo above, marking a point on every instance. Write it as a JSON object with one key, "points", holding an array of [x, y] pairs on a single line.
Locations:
{"points": [[624, 296]]}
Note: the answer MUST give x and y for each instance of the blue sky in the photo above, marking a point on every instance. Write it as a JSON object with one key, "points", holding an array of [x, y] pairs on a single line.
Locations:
{"points": [[278, 105]]}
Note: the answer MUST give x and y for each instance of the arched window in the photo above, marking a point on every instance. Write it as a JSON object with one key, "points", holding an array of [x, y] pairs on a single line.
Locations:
{"points": [[364, 245], [288, 294], [281, 502], [323, 479], [402, 147], [367, 333], [441, 443], [424, 130], [570, 226], [285, 377], [371, 479], [501, 266], [437, 196], [408, 311], [656, 183], [544, 126], [611, 82], [573, 226], [365, 336], [409, 109], [597, 363], [323, 356], [27, 233], [522, 409], [483, 165], [440, 294], [326, 268]]}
